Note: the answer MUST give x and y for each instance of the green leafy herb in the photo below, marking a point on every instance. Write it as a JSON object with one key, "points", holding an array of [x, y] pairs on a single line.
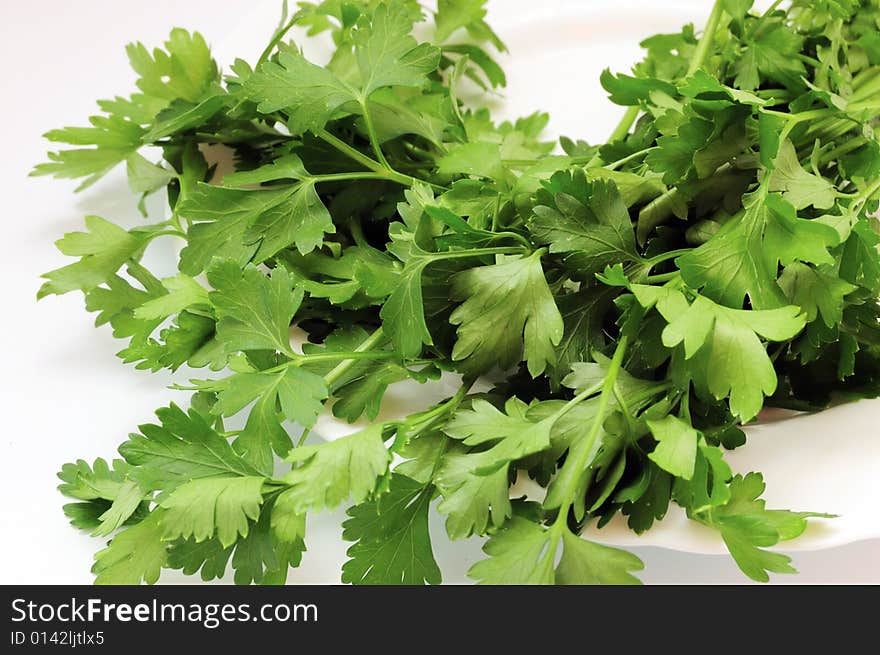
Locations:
{"points": [[629, 305]]}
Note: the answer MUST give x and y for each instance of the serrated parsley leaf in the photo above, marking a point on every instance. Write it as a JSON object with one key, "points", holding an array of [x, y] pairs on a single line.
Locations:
{"points": [[800, 188], [403, 314], [114, 139], [255, 311], [258, 223], [472, 502], [100, 480], [816, 292], [330, 473], [183, 70], [183, 292], [477, 158], [201, 508], [393, 545], [128, 500], [728, 356], [587, 221], [747, 528], [708, 487], [585, 562], [518, 554], [218, 228], [262, 557], [513, 293], [386, 53], [144, 177], [453, 15], [522, 552], [310, 94], [740, 259], [628, 90], [789, 238], [511, 433], [287, 524], [299, 218], [181, 448], [136, 554], [208, 557], [299, 393], [113, 497], [583, 314], [772, 52], [103, 250], [676, 450]]}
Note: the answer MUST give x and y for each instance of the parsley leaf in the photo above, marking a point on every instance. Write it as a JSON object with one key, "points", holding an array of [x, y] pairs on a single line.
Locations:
{"points": [[254, 310], [728, 356], [600, 321], [587, 221], [332, 472], [102, 251], [201, 508], [489, 293], [391, 534]]}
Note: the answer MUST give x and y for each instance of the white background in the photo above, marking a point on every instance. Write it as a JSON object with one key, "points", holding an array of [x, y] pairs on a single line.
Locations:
{"points": [[64, 394]]}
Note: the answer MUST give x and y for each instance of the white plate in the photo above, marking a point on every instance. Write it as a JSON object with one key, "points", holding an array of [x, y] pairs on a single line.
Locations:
{"points": [[826, 462]]}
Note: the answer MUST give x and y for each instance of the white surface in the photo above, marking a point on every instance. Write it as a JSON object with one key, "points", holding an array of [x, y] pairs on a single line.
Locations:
{"points": [[66, 396]]}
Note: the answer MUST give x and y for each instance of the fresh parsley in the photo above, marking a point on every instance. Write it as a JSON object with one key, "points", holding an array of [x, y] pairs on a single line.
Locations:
{"points": [[633, 302]]}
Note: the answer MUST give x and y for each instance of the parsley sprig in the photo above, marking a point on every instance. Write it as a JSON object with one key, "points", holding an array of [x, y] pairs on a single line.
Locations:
{"points": [[612, 315]]}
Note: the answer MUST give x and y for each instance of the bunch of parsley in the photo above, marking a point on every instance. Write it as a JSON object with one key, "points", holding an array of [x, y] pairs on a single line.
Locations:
{"points": [[634, 303]]}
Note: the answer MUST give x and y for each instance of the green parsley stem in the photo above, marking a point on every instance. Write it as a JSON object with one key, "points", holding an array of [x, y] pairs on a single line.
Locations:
{"points": [[620, 162], [684, 409], [299, 360], [607, 391], [758, 25], [800, 117], [866, 195], [867, 86], [416, 150], [479, 252], [625, 410], [571, 404], [356, 175], [371, 132], [349, 355], [666, 256], [771, 8], [663, 277], [519, 163], [170, 232], [626, 122], [369, 163], [777, 96], [828, 130], [342, 367], [428, 418], [702, 51], [842, 149], [213, 137], [619, 133], [348, 150], [276, 39], [812, 61]]}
